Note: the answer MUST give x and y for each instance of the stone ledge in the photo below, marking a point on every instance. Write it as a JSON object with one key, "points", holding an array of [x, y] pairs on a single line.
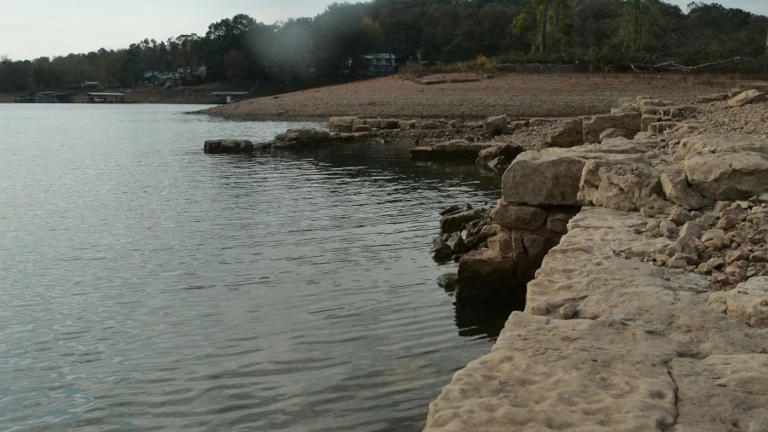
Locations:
{"points": [[645, 351]]}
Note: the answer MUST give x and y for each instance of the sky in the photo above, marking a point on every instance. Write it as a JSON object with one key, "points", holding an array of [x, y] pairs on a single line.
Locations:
{"points": [[35, 28]]}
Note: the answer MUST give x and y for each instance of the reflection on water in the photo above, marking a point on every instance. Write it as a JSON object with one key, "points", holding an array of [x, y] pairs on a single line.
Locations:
{"points": [[148, 286]]}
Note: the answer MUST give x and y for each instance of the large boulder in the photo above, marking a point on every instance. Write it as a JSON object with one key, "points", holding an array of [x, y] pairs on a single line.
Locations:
{"points": [[725, 167], [619, 185], [228, 146], [569, 134], [596, 125], [496, 125], [342, 124], [552, 176], [485, 274], [747, 97], [518, 217], [497, 158]]}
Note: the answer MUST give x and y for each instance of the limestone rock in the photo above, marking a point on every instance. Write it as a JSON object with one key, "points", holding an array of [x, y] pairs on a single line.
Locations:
{"points": [[615, 133], [518, 217], [676, 189], [721, 391], [441, 251], [747, 97], [679, 216], [660, 127], [508, 244], [454, 149], [668, 229], [496, 125], [342, 124], [455, 222], [552, 176], [594, 126], [558, 222], [487, 275], [691, 229], [228, 146], [647, 120], [301, 138], [498, 157], [644, 352], [618, 185], [546, 374], [748, 302], [448, 281], [568, 135], [726, 167], [535, 246], [712, 98]]}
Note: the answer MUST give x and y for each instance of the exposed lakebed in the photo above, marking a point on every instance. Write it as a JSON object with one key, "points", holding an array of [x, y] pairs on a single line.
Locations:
{"points": [[148, 286]]}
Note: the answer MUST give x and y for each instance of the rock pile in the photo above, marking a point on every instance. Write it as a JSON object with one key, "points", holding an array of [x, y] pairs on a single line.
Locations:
{"points": [[462, 229], [727, 243]]}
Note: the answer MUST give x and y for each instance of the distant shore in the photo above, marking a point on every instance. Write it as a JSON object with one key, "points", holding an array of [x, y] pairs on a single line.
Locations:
{"points": [[517, 95], [200, 95]]}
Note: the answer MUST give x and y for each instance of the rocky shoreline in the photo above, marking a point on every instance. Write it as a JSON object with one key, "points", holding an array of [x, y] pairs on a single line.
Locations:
{"points": [[651, 312], [638, 239]]}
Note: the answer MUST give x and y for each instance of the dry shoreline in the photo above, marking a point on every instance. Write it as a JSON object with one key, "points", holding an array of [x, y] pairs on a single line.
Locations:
{"points": [[517, 95]]}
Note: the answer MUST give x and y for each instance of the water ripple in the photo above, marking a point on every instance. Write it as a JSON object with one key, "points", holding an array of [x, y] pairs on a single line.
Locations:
{"points": [[148, 287]]}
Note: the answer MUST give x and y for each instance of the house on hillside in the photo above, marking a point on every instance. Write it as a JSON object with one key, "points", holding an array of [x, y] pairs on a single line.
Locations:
{"points": [[380, 63]]}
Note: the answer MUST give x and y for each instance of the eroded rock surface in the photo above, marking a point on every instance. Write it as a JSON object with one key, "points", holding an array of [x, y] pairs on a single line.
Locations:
{"points": [[610, 343]]}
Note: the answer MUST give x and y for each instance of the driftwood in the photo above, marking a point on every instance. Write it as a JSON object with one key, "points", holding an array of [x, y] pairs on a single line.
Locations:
{"points": [[670, 65]]}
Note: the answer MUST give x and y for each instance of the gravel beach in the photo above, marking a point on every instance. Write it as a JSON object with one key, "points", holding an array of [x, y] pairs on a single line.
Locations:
{"points": [[517, 95]]}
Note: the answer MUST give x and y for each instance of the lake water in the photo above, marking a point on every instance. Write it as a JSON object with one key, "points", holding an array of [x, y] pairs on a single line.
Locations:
{"points": [[148, 286]]}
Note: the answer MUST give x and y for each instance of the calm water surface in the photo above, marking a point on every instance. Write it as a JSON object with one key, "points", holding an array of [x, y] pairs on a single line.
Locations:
{"points": [[147, 286]]}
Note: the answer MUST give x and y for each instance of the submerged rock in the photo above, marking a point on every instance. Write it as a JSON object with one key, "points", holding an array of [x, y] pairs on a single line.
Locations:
{"points": [[302, 138], [448, 281], [456, 221], [231, 146], [454, 149]]}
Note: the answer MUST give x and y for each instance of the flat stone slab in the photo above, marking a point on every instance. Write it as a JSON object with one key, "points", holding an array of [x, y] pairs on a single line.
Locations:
{"points": [[609, 343]]}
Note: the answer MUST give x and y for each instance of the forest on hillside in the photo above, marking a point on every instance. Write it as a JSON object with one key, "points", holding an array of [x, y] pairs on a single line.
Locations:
{"points": [[594, 34]]}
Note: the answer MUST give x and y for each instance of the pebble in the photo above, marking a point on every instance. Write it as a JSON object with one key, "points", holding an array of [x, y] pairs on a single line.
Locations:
{"points": [[668, 229]]}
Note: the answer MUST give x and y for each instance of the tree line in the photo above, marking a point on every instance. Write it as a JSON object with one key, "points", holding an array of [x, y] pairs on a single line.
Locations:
{"points": [[594, 33]]}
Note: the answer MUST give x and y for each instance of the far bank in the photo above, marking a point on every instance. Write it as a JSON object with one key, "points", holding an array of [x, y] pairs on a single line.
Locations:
{"points": [[517, 95]]}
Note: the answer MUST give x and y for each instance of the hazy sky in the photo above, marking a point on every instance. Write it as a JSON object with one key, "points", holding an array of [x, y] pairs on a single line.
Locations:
{"points": [[34, 28]]}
